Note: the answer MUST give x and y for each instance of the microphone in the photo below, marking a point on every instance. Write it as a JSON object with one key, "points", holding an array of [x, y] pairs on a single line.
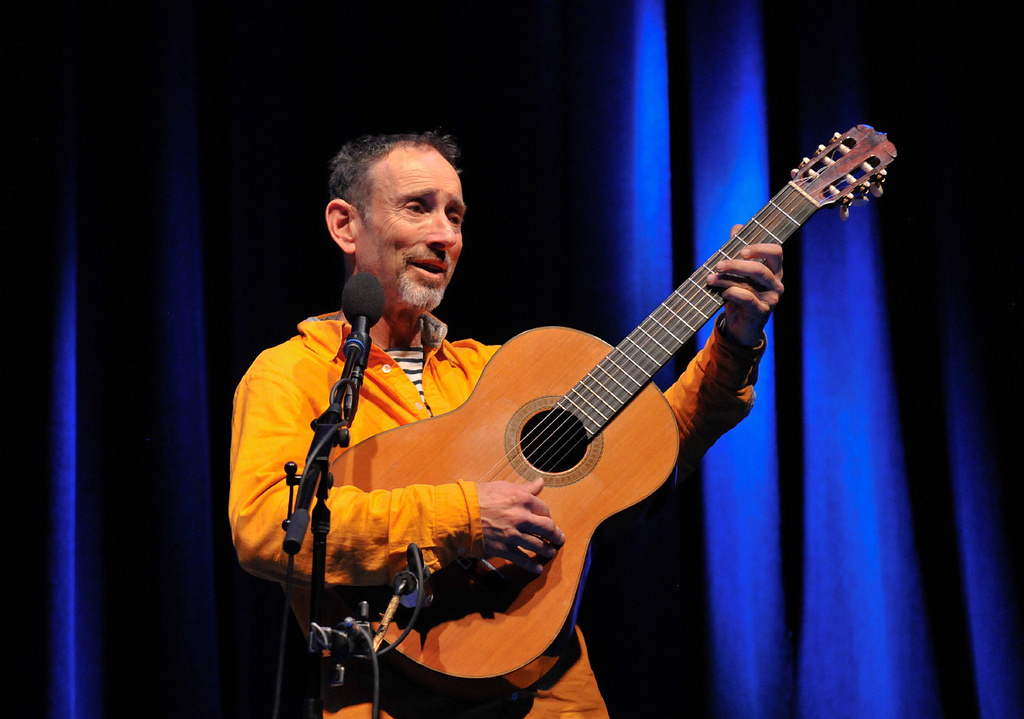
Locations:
{"points": [[362, 301], [407, 582], [411, 583]]}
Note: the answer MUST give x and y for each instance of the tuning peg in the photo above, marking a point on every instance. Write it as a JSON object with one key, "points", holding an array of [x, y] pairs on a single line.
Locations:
{"points": [[860, 195], [876, 183], [847, 202]]}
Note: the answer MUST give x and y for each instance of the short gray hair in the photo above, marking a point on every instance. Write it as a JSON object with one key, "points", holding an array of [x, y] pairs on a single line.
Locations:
{"points": [[350, 168]]}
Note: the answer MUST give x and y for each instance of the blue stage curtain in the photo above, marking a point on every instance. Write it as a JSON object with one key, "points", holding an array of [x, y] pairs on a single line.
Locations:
{"points": [[131, 598], [747, 635], [862, 598], [647, 276]]}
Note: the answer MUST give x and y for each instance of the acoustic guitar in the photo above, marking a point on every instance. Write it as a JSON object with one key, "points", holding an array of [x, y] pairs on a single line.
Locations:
{"points": [[563, 405]]}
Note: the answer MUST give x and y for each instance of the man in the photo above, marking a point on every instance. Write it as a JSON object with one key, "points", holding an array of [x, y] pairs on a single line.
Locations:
{"points": [[396, 211]]}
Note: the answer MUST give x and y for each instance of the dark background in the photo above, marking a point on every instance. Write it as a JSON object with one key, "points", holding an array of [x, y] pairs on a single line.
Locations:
{"points": [[163, 222]]}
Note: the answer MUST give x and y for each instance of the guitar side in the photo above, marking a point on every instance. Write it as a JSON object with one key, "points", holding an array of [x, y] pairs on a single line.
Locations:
{"points": [[474, 630]]}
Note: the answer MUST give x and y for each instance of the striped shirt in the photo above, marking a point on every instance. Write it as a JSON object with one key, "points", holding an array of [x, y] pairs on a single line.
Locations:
{"points": [[410, 359]]}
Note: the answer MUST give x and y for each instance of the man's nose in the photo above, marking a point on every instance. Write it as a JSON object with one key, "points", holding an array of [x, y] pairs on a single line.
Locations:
{"points": [[443, 231]]}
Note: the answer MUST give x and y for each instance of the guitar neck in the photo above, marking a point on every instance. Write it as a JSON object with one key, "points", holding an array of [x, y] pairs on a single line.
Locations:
{"points": [[627, 368]]}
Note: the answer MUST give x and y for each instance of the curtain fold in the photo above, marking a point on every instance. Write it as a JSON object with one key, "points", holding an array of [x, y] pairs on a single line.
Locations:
{"points": [[749, 675]]}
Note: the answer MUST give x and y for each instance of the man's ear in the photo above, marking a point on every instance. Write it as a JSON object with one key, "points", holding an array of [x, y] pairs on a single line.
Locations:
{"points": [[341, 219]]}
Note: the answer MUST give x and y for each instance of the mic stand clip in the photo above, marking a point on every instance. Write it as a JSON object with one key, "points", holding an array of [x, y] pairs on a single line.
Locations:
{"points": [[351, 638]]}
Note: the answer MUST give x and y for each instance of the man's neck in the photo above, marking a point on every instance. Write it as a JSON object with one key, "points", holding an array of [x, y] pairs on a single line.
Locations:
{"points": [[401, 330]]}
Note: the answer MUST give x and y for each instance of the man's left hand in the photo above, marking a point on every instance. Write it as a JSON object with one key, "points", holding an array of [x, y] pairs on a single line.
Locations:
{"points": [[751, 286]]}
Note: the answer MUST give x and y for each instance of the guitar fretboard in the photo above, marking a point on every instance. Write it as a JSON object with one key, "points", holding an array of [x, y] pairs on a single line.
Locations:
{"points": [[628, 367]]}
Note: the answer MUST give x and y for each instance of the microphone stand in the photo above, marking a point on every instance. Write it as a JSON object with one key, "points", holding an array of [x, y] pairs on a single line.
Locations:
{"points": [[329, 430]]}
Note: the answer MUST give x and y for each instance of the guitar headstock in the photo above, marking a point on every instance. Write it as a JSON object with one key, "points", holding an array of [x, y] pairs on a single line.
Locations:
{"points": [[847, 169]]}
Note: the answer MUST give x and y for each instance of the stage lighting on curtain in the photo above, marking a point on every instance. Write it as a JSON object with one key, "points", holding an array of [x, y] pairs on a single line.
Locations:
{"points": [[74, 586], [130, 521], [74, 642], [748, 675], [863, 647], [648, 279], [621, 158]]}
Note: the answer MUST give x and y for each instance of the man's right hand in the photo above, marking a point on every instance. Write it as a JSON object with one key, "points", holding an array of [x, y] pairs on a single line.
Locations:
{"points": [[517, 524]]}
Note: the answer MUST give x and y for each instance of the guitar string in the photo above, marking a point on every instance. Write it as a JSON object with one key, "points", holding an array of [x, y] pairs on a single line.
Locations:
{"points": [[707, 303], [710, 303], [791, 199], [703, 301], [645, 349], [643, 346], [780, 206]]}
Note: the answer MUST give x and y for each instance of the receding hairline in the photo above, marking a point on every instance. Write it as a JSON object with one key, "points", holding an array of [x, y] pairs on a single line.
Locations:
{"points": [[350, 167]]}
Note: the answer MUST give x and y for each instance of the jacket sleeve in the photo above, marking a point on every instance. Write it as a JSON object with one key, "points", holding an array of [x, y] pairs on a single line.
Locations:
{"points": [[370, 531], [714, 393]]}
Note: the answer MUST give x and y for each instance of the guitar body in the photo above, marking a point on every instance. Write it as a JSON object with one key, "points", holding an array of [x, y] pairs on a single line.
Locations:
{"points": [[499, 621]]}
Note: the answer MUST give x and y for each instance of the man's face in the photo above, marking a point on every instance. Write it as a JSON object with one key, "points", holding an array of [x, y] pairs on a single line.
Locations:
{"points": [[410, 234]]}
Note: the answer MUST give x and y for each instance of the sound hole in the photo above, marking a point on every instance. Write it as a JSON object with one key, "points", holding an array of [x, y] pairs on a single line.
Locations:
{"points": [[553, 441]]}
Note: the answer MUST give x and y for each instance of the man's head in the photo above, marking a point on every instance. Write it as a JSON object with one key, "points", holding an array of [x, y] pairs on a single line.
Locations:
{"points": [[396, 211]]}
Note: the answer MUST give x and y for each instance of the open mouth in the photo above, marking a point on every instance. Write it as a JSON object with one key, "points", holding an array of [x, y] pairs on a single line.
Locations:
{"points": [[434, 267]]}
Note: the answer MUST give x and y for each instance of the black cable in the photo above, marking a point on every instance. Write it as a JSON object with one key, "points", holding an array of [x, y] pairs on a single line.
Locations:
{"points": [[285, 617], [364, 629]]}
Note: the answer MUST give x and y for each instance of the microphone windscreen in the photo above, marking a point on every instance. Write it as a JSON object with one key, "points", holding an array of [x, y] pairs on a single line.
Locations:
{"points": [[363, 296]]}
